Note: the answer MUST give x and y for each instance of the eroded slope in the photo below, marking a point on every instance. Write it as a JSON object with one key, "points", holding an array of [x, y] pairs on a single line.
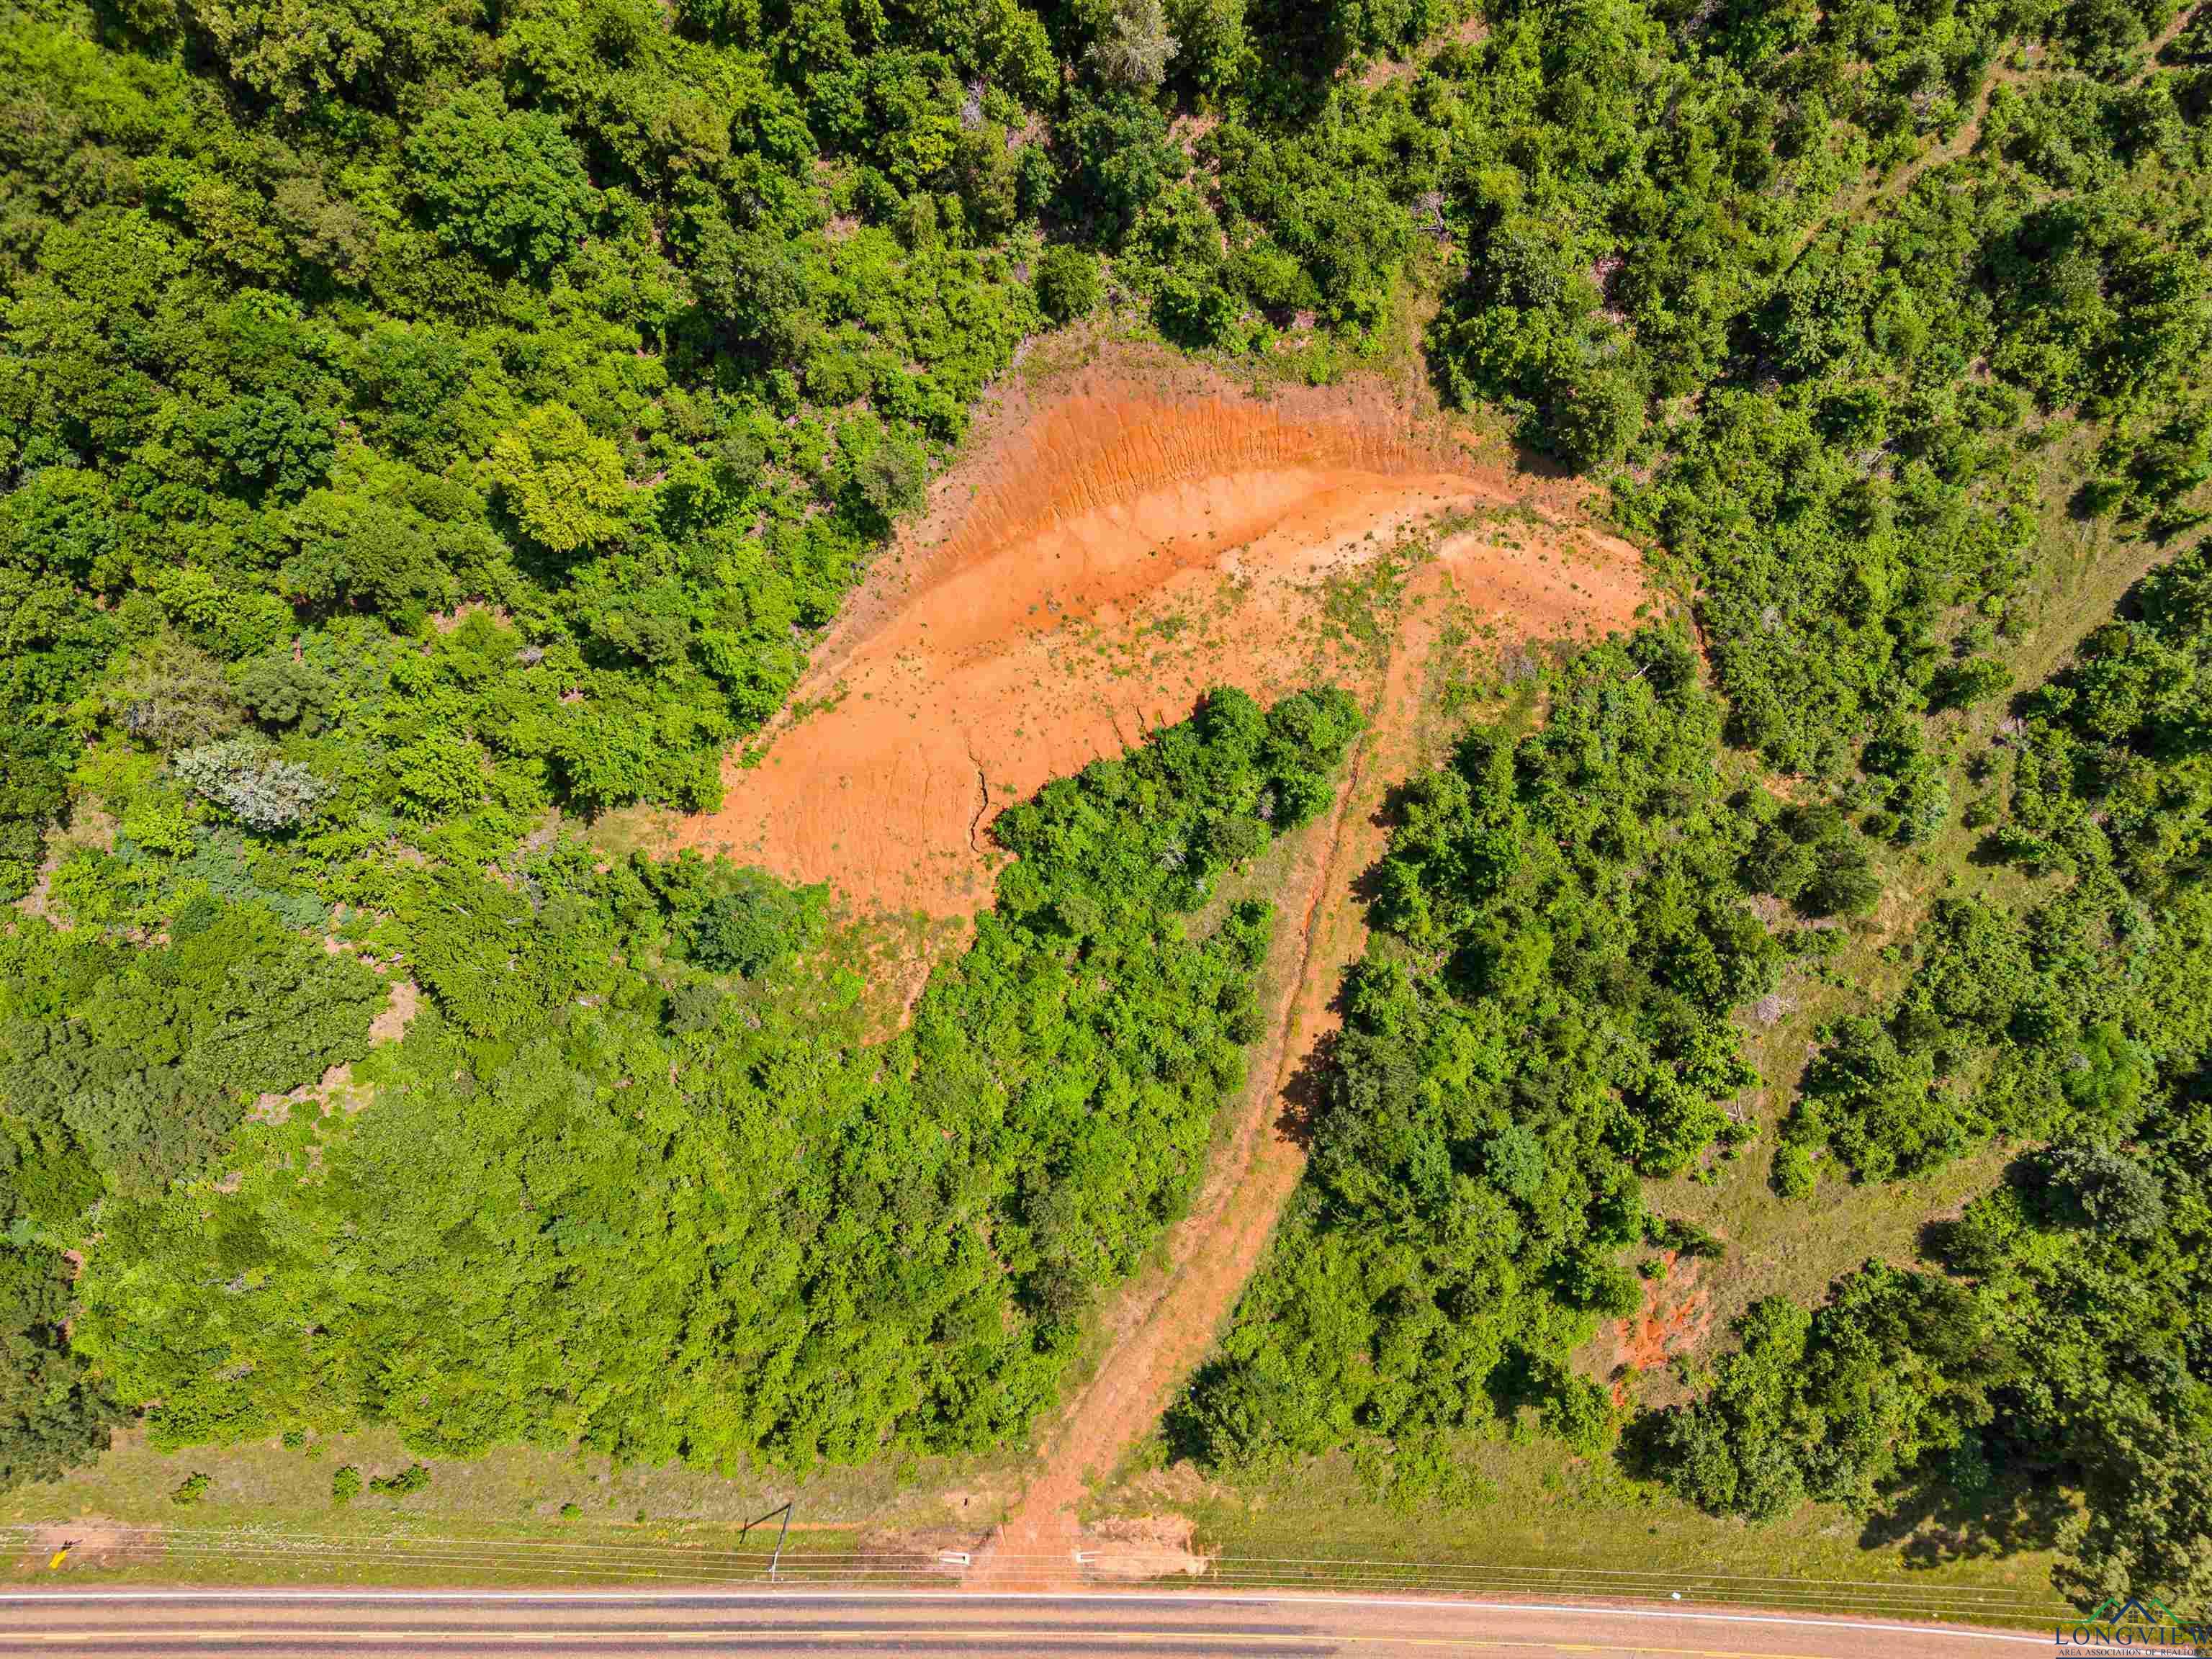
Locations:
{"points": [[1112, 550]]}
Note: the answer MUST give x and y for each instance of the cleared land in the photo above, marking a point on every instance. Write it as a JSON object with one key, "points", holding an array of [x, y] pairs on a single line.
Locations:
{"points": [[1378, 616], [1112, 547], [1117, 541]]}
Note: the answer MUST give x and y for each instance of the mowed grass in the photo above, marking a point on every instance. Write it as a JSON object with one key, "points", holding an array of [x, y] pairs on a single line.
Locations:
{"points": [[515, 1515], [1542, 1523]]}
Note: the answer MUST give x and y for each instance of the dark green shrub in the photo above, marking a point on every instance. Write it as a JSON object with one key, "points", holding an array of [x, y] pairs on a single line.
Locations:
{"points": [[1068, 283]]}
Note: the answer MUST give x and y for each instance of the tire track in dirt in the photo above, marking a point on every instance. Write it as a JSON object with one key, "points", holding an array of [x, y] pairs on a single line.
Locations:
{"points": [[1216, 1247], [1116, 547], [1164, 1329]]}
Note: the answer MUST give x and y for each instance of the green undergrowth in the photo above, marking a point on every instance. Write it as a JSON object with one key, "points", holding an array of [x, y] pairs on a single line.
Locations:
{"points": [[637, 1181], [2062, 1353], [428, 441]]}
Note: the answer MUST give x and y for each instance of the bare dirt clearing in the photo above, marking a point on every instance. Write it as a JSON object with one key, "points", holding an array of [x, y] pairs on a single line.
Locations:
{"points": [[1112, 548], [93, 1541], [1116, 543]]}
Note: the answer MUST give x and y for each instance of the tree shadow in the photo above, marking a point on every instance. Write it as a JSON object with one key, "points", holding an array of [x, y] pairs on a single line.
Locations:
{"points": [[2092, 499], [1306, 1095], [1367, 885], [1933, 1522]]}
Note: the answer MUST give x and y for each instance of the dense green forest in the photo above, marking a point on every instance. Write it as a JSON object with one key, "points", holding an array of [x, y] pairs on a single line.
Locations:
{"points": [[1541, 1021], [2080, 1022], [1852, 488], [636, 1181], [417, 421]]}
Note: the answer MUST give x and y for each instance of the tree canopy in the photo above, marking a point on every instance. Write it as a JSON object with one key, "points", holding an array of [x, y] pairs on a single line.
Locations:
{"points": [[423, 427]]}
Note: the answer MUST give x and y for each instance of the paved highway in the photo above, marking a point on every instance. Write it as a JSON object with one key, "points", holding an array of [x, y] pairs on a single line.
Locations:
{"points": [[457, 1623]]}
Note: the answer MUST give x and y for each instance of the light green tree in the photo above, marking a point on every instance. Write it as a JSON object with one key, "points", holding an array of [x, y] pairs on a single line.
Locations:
{"points": [[563, 485], [1134, 47]]}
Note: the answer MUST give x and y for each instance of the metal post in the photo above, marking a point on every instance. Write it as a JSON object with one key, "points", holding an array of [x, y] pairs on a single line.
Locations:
{"points": [[783, 1532], [780, 1534]]}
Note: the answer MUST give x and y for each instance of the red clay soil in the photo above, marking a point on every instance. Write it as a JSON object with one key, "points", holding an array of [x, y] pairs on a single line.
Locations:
{"points": [[1298, 494], [1111, 550], [1674, 1316], [1219, 1243]]}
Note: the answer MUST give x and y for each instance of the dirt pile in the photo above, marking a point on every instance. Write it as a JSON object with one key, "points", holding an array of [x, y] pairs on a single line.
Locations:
{"points": [[1141, 1548], [1673, 1320], [1113, 548]]}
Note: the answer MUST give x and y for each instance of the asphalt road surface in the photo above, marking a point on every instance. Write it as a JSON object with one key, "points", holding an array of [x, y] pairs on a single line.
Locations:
{"points": [[1170, 1626]]}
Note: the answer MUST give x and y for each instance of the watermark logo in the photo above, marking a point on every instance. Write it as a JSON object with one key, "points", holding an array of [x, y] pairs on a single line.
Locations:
{"points": [[2127, 1627]]}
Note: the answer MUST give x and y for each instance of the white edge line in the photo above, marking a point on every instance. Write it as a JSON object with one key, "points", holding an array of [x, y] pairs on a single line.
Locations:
{"points": [[1169, 1597]]}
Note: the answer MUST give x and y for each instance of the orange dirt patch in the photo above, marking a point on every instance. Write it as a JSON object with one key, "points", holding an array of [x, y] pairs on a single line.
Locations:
{"points": [[93, 1542], [1673, 1318], [1163, 1327], [1143, 1547], [1112, 550], [397, 1013]]}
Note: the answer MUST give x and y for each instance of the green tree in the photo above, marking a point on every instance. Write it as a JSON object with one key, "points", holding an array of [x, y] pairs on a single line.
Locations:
{"points": [[564, 484], [1212, 50], [1068, 283], [507, 185], [54, 1413], [753, 283], [292, 50], [1133, 47]]}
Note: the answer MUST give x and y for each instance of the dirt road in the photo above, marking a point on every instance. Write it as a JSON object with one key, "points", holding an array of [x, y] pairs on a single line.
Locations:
{"points": [[462, 1623], [1115, 544], [1168, 1326]]}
